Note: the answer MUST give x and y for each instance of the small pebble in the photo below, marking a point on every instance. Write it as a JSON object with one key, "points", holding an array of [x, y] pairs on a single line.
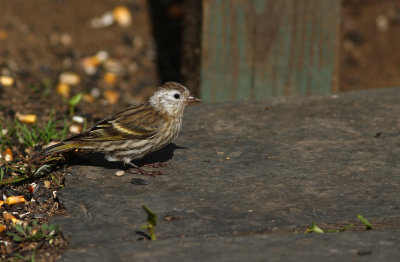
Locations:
{"points": [[120, 173], [139, 181]]}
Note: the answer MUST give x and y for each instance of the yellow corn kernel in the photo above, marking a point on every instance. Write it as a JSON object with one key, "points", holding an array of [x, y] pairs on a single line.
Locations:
{"points": [[26, 119], [2, 228], [110, 78], [12, 200], [8, 155], [111, 96], [6, 80], [122, 15], [63, 89], [8, 216]]}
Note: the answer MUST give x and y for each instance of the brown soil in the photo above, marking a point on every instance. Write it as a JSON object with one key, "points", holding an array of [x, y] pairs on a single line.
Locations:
{"points": [[370, 40]]}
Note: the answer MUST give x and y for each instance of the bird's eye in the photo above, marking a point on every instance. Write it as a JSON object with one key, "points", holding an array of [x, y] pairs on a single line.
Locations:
{"points": [[177, 96]]}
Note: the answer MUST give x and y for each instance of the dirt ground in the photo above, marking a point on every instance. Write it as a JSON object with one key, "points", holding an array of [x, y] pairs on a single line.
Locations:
{"points": [[118, 65], [370, 38]]}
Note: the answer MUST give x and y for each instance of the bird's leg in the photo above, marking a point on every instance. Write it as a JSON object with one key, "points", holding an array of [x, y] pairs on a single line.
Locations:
{"points": [[144, 172]]}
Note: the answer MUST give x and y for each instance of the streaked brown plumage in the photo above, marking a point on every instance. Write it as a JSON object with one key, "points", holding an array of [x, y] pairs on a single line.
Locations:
{"points": [[138, 130]]}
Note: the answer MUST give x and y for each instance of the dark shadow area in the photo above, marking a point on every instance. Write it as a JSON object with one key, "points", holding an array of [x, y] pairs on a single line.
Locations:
{"points": [[166, 18], [98, 159]]}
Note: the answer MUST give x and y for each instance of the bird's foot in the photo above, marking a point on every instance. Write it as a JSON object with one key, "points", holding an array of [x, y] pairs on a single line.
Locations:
{"points": [[144, 172], [155, 165]]}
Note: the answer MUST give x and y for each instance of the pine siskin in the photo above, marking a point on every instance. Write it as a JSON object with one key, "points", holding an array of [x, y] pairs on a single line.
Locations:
{"points": [[136, 131]]}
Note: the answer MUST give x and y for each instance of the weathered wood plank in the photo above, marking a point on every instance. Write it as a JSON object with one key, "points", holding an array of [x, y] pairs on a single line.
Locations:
{"points": [[264, 48]]}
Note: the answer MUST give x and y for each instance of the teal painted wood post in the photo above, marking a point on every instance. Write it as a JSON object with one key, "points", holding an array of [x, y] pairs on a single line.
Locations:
{"points": [[262, 48]]}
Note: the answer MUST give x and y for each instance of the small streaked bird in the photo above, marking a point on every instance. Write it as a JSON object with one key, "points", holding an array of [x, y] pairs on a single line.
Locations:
{"points": [[136, 131]]}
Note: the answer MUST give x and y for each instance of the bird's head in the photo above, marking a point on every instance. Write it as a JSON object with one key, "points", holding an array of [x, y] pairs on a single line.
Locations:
{"points": [[172, 98]]}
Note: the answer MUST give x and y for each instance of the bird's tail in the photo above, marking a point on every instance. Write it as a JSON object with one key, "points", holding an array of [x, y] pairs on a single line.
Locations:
{"points": [[60, 147]]}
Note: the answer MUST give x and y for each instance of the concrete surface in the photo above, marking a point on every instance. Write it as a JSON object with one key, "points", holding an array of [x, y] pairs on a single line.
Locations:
{"points": [[244, 181]]}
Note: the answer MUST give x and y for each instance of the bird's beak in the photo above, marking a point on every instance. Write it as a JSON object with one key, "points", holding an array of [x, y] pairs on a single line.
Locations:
{"points": [[192, 99]]}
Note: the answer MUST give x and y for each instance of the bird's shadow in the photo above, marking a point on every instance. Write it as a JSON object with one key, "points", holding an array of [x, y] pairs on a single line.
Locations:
{"points": [[98, 159]]}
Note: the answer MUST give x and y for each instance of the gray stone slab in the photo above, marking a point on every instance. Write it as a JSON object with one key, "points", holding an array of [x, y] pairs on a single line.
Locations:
{"points": [[248, 176]]}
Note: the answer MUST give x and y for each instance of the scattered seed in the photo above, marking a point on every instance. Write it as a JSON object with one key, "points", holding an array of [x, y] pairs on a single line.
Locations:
{"points": [[2, 228], [111, 96], [3, 35], [139, 181], [113, 65], [90, 65], [102, 56], [78, 119], [26, 119], [122, 16], [32, 187], [63, 89], [88, 98], [110, 78], [120, 173], [75, 129], [46, 184], [66, 39], [1, 202], [95, 92], [382, 23], [6, 80], [105, 20], [8, 216], [12, 200], [69, 78], [171, 218], [21, 216], [7, 155]]}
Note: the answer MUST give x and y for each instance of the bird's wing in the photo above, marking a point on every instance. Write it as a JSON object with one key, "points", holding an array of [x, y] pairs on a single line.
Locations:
{"points": [[137, 122]]}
